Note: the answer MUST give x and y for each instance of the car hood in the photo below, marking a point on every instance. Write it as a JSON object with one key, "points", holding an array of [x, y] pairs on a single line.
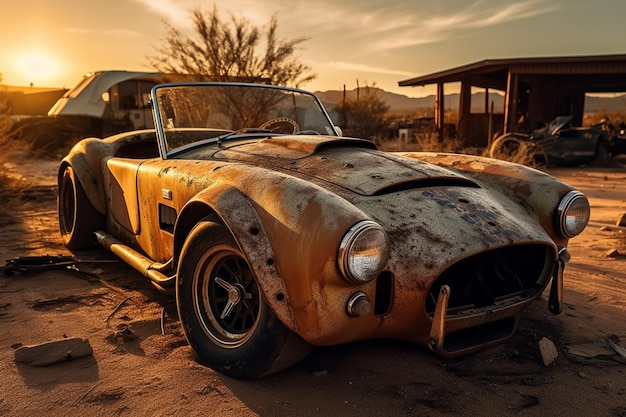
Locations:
{"points": [[352, 164]]}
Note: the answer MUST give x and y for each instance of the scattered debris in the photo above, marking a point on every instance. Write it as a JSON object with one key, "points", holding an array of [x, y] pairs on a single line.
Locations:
{"points": [[37, 263], [620, 350], [605, 350], [122, 334], [125, 333], [547, 351], [612, 253], [163, 320], [115, 310], [590, 350], [57, 351], [85, 394]]}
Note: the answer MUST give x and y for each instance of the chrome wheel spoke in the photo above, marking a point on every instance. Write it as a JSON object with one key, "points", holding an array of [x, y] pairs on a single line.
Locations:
{"points": [[227, 309], [223, 283]]}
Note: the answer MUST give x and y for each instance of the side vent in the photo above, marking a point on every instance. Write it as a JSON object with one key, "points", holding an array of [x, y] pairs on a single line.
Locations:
{"points": [[167, 218], [384, 294]]}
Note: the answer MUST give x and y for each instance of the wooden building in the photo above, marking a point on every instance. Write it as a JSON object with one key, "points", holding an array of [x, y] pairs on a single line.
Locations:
{"points": [[536, 90]]}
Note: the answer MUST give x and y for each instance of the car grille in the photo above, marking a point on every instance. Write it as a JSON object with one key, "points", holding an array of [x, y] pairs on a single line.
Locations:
{"points": [[491, 276]]}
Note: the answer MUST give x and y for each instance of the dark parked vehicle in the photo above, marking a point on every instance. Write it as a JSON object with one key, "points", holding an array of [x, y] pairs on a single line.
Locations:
{"points": [[555, 143], [276, 234]]}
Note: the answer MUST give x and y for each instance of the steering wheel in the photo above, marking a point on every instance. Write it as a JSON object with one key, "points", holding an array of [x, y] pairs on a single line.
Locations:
{"points": [[281, 125]]}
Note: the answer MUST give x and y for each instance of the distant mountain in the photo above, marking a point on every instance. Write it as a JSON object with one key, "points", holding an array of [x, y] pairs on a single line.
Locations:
{"points": [[610, 104], [402, 103]]}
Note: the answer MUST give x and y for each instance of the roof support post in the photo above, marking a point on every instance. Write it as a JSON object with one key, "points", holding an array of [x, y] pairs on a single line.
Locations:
{"points": [[439, 111], [510, 108], [465, 109]]}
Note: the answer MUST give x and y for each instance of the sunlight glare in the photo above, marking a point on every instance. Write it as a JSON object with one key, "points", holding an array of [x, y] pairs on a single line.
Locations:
{"points": [[36, 67]]}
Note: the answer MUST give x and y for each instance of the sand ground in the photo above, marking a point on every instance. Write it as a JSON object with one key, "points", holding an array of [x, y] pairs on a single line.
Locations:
{"points": [[152, 372]]}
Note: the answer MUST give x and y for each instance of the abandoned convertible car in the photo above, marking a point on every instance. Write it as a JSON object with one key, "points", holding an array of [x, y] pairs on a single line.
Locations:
{"points": [[558, 143], [276, 234]]}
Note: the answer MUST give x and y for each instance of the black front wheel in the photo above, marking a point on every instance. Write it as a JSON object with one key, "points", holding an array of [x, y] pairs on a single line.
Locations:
{"points": [[224, 315], [78, 218]]}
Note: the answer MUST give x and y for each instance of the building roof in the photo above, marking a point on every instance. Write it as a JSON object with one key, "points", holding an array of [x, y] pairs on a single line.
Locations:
{"points": [[608, 71]]}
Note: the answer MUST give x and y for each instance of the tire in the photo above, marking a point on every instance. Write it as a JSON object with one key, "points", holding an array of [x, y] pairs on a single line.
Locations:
{"points": [[225, 318], [514, 149], [78, 218], [505, 147], [601, 154]]}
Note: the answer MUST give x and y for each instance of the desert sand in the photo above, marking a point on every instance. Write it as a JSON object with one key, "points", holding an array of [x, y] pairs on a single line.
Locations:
{"points": [[142, 366]]}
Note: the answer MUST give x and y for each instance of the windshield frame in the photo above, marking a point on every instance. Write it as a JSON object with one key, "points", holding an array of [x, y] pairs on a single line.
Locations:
{"points": [[162, 129]]}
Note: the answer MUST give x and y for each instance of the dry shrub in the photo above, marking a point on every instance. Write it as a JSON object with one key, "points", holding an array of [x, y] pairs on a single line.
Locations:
{"points": [[517, 151], [612, 117], [424, 142], [10, 186], [5, 126]]}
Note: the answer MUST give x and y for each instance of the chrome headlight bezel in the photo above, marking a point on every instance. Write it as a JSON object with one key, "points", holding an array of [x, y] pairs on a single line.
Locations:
{"points": [[363, 252], [572, 214]]}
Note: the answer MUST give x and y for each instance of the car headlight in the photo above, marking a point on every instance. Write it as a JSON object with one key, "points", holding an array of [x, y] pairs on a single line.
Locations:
{"points": [[572, 214], [363, 252]]}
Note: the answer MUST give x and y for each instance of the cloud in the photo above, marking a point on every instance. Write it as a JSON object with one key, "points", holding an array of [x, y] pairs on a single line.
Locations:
{"points": [[175, 12], [348, 66], [118, 33], [178, 12], [480, 14], [373, 28], [517, 11]]}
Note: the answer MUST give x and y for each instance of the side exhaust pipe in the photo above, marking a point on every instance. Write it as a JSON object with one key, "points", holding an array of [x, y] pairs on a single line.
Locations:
{"points": [[154, 271]]}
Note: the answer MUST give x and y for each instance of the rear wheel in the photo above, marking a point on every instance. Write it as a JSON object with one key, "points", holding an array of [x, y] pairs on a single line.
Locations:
{"points": [[225, 318], [513, 149], [505, 147], [78, 218]]}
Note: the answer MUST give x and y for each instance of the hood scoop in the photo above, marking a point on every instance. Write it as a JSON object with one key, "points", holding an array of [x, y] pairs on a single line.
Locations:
{"points": [[425, 183], [291, 147]]}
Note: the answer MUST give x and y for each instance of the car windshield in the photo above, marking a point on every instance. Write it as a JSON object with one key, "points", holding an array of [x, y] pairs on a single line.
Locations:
{"points": [[192, 113], [557, 124]]}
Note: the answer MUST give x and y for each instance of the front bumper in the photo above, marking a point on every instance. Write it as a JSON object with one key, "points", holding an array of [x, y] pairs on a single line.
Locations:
{"points": [[458, 331]]}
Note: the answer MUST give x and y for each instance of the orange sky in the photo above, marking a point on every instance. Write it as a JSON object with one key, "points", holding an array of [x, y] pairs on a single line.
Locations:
{"points": [[51, 43]]}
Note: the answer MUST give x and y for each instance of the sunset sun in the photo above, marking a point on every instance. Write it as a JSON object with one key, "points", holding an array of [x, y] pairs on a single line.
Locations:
{"points": [[36, 67]]}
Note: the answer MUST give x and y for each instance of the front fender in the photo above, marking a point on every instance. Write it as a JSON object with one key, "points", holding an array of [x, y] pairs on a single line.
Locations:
{"points": [[289, 231], [539, 192], [237, 213], [86, 159]]}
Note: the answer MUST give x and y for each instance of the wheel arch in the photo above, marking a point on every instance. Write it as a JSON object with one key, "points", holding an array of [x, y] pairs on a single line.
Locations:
{"points": [[86, 158], [230, 207], [531, 188]]}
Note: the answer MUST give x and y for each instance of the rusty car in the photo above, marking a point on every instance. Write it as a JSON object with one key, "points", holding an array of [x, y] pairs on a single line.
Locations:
{"points": [[275, 233], [557, 143]]}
